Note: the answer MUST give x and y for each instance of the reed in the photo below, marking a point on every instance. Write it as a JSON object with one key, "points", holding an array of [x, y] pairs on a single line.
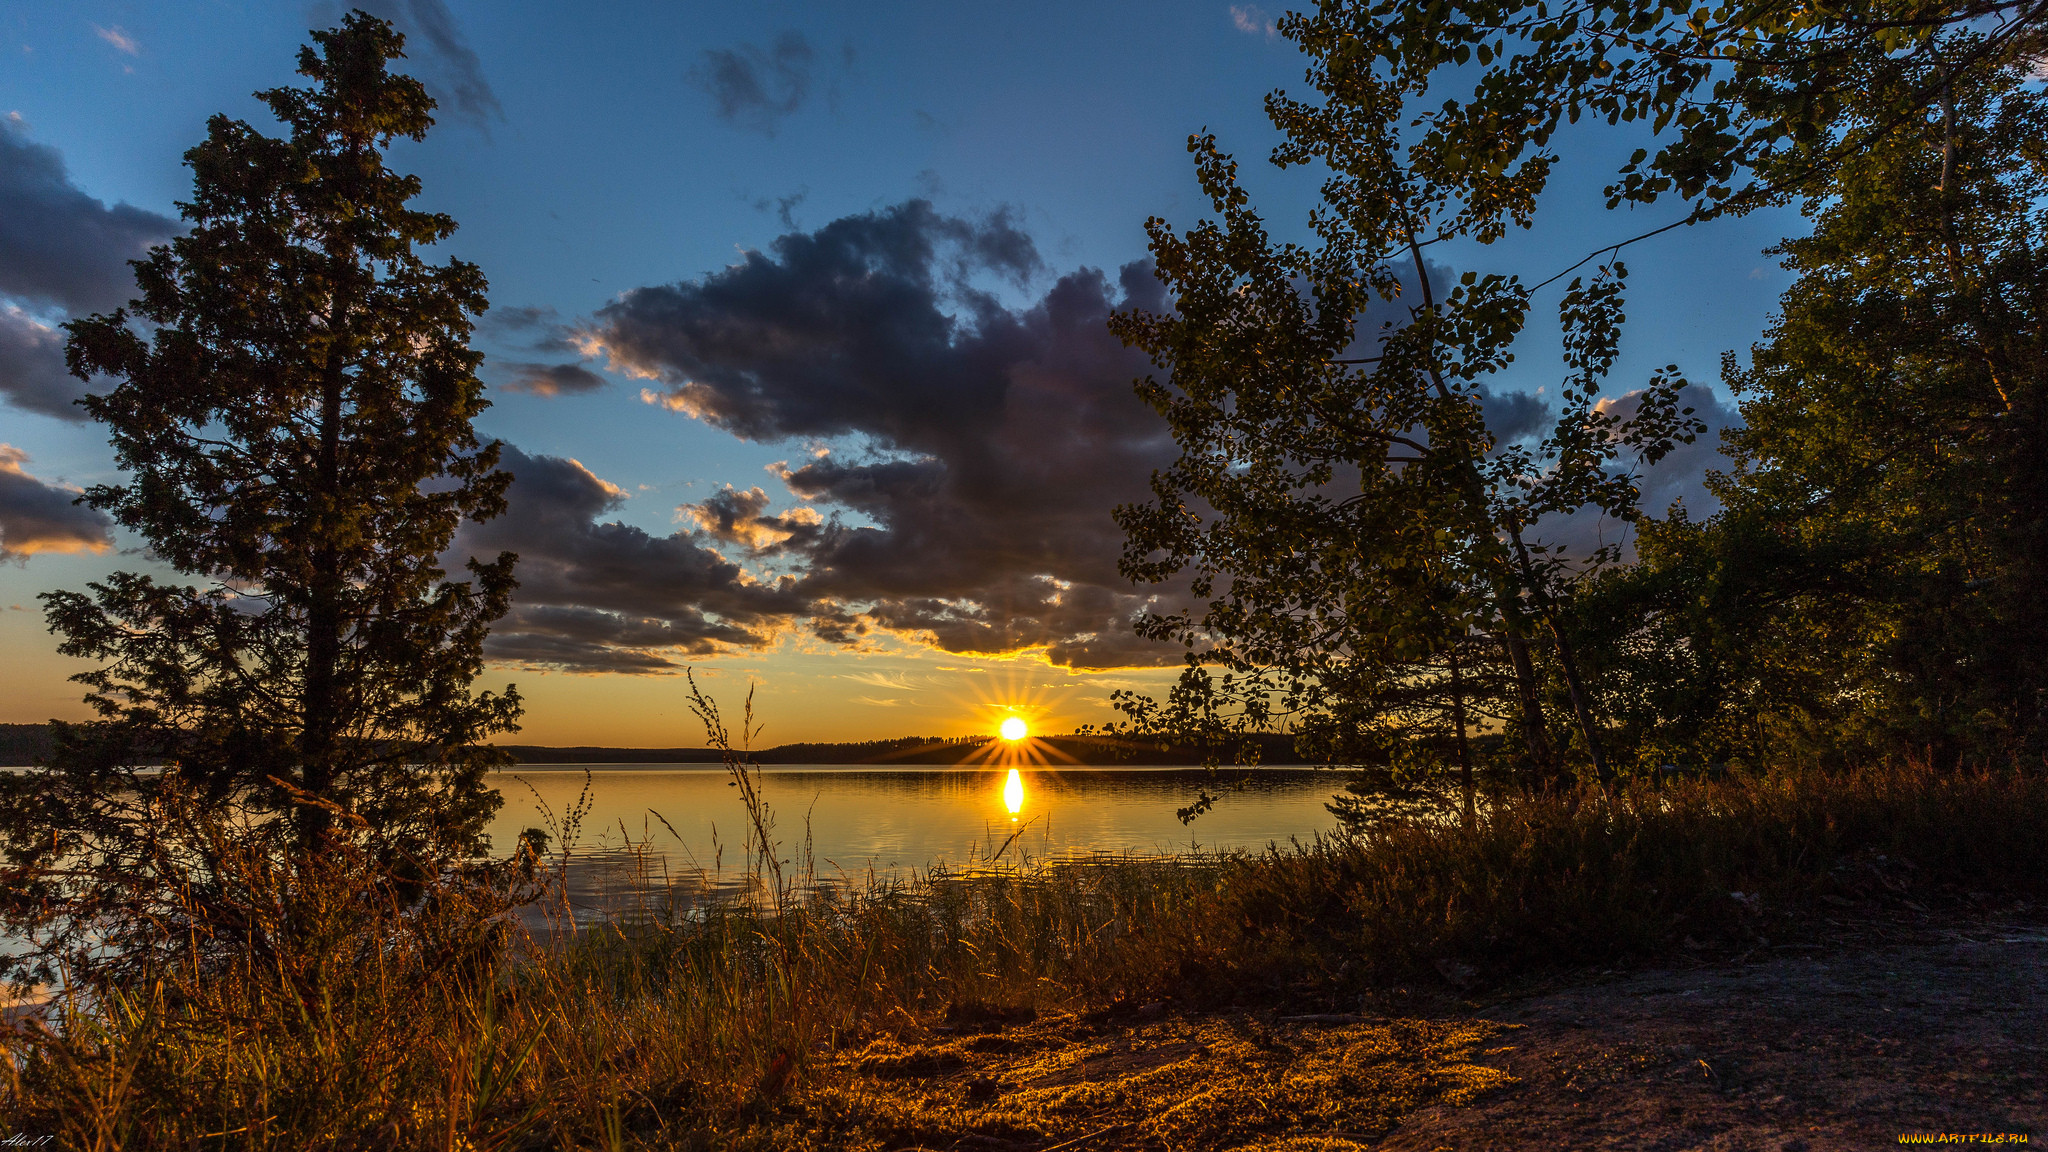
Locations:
{"points": [[353, 1015]]}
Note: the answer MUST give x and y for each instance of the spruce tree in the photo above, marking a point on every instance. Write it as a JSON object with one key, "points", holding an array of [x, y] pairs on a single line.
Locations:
{"points": [[293, 409]]}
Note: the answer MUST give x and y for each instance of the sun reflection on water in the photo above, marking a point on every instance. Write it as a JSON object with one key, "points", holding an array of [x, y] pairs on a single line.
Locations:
{"points": [[1013, 793]]}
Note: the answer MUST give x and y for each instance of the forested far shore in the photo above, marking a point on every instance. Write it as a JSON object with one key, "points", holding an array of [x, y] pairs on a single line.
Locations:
{"points": [[23, 745], [1091, 751]]}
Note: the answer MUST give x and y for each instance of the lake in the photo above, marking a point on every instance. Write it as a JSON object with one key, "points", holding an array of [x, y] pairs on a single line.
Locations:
{"points": [[684, 828]]}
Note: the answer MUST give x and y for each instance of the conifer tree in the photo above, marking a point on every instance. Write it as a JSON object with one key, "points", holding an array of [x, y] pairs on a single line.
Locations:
{"points": [[293, 409]]}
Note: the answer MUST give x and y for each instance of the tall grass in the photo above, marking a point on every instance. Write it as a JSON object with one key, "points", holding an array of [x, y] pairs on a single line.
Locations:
{"points": [[366, 1021]]}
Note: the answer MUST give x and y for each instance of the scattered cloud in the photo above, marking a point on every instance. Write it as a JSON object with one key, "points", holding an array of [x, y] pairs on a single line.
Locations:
{"points": [[550, 379], [534, 327], [1252, 19], [899, 682], [442, 58], [518, 318], [785, 206], [755, 88], [122, 41], [36, 516], [730, 516]]}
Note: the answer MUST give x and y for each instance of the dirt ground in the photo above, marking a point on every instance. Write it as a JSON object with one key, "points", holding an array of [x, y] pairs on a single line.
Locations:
{"points": [[1885, 1030], [1873, 1029]]}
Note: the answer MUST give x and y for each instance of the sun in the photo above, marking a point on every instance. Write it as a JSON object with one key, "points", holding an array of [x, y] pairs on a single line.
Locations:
{"points": [[1014, 728]]}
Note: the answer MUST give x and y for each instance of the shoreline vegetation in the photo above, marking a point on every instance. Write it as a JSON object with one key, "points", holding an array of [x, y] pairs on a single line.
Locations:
{"points": [[344, 1015]]}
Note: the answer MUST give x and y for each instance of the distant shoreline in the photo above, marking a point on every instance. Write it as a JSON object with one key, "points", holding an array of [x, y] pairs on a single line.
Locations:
{"points": [[1086, 751], [544, 767], [23, 745]]}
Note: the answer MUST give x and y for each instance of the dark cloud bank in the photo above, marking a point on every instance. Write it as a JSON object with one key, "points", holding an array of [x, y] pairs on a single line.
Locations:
{"points": [[38, 517], [972, 511], [609, 597], [62, 253], [955, 458]]}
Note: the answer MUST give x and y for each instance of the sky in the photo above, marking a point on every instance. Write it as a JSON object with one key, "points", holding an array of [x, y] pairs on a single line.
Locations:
{"points": [[796, 346]]}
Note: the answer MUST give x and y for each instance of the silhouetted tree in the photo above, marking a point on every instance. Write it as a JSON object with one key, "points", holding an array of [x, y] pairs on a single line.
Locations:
{"points": [[1352, 520], [1875, 580], [294, 404], [1339, 497]]}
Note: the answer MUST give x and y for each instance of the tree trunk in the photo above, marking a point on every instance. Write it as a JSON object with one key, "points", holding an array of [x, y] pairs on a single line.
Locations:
{"points": [[321, 716], [1465, 781], [1549, 770], [1525, 676], [1582, 710]]}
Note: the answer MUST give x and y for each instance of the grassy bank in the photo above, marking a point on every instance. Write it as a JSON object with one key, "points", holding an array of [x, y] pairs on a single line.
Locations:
{"points": [[352, 1022]]}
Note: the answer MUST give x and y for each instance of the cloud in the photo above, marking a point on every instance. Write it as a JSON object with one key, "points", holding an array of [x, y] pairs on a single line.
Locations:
{"points": [[1252, 19], [39, 517], [550, 379], [32, 372], [898, 682], [1680, 477], [442, 58], [535, 327], [963, 451], [785, 206], [518, 317], [835, 332], [734, 517], [1511, 416], [121, 41], [61, 252], [58, 245], [608, 597], [754, 88], [964, 438], [977, 448]]}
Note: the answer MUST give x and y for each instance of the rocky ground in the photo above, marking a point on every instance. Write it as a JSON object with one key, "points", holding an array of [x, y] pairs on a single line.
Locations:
{"points": [[1873, 1028]]}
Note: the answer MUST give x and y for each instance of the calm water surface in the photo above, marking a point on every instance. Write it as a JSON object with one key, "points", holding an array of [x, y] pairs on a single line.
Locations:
{"points": [[684, 826]]}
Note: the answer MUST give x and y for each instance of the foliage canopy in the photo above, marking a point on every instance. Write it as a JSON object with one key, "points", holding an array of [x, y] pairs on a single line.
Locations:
{"points": [[1371, 552]]}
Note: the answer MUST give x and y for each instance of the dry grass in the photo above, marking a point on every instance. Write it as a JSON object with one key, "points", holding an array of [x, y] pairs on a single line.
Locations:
{"points": [[1017, 1010], [1215, 1082]]}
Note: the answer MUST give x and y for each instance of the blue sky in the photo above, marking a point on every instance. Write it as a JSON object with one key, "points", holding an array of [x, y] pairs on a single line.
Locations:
{"points": [[613, 165]]}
